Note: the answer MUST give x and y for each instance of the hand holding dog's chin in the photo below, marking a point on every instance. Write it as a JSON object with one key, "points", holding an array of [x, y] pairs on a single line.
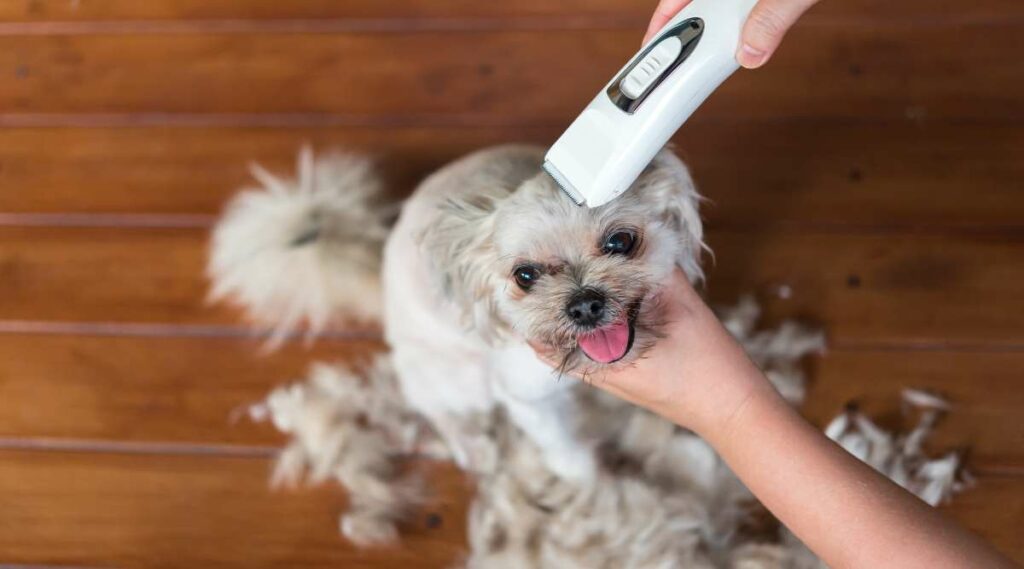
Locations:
{"points": [[697, 375]]}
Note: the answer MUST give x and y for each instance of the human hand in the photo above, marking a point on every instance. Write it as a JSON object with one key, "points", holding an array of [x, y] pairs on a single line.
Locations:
{"points": [[697, 375], [768, 23]]}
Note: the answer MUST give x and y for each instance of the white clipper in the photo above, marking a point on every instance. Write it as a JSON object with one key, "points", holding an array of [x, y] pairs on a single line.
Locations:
{"points": [[607, 147]]}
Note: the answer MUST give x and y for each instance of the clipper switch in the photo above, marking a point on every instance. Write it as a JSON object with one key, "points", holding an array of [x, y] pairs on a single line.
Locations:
{"points": [[645, 73]]}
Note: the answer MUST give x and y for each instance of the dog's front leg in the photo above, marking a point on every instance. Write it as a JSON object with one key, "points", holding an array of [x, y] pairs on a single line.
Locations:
{"points": [[544, 407]]}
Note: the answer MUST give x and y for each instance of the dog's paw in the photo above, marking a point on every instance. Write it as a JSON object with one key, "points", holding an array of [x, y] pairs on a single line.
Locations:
{"points": [[574, 466]]}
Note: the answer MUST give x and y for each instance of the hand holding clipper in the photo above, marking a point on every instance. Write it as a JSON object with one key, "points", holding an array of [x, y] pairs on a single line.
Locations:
{"points": [[630, 120]]}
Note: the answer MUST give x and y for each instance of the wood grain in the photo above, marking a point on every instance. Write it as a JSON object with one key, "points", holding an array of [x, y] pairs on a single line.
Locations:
{"points": [[874, 290], [155, 512], [878, 11], [189, 392], [793, 173], [870, 289], [505, 78], [195, 170], [176, 512], [105, 274]]}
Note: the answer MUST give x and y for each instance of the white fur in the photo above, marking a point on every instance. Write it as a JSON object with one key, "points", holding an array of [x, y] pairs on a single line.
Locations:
{"points": [[349, 426]]}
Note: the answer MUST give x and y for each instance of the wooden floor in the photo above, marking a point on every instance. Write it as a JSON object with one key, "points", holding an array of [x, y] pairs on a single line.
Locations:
{"points": [[870, 179]]}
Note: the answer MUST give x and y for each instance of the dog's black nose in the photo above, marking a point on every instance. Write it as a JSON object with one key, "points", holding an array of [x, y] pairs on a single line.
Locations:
{"points": [[586, 308]]}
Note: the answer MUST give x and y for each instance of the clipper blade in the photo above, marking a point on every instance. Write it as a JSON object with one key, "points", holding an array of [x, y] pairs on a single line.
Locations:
{"points": [[564, 184]]}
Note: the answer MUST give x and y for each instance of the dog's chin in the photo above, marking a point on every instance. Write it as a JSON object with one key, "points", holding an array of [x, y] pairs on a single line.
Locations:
{"points": [[616, 343]]}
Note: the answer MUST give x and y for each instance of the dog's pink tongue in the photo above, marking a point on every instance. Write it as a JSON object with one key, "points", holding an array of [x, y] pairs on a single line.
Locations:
{"points": [[605, 345]]}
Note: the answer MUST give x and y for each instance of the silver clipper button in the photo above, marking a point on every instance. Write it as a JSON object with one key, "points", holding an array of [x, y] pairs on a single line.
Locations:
{"points": [[645, 73]]}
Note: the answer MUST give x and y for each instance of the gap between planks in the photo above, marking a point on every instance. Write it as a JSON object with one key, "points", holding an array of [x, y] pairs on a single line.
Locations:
{"points": [[325, 120], [38, 566], [166, 330], [266, 452], [46, 444], [634, 21], [202, 221]]}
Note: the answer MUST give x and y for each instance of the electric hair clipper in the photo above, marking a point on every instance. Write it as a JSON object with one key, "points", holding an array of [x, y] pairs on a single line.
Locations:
{"points": [[618, 134]]}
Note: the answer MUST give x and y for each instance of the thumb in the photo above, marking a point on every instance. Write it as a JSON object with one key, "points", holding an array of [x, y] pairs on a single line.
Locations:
{"points": [[768, 22]]}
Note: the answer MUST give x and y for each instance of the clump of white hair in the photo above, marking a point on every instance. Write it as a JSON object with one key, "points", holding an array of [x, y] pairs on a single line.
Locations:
{"points": [[901, 456], [778, 352], [300, 253], [353, 427]]}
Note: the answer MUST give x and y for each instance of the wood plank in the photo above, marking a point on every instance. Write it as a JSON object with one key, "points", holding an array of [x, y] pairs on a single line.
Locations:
{"points": [[757, 173], [869, 289], [63, 10], [195, 170], [105, 274], [185, 391], [503, 77], [882, 176], [155, 512], [925, 290]]}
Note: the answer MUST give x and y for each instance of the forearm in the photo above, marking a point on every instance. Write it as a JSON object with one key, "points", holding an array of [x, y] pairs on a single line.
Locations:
{"points": [[845, 511]]}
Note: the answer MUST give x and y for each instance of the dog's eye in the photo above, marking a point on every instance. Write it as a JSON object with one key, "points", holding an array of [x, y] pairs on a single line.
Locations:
{"points": [[526, 276], [619, 243]]}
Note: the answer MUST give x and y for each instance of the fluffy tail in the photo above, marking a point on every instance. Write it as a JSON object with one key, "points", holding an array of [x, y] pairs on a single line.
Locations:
{"points": [[299, 254]]}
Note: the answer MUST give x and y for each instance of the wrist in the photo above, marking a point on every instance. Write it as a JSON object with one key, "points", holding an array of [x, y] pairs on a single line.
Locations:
{"points": [[721, 385], [746, 411]]}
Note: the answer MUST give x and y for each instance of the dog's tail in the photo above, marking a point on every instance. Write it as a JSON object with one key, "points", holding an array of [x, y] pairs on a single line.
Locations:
{"points": [[300, 254]]}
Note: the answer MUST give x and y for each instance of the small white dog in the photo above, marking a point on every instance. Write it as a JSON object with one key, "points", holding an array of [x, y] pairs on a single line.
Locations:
{"points": [[487, 258], [490, 256]]}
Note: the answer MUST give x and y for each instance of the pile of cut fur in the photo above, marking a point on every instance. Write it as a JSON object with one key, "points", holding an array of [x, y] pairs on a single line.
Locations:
{"points": [[663, 499]]}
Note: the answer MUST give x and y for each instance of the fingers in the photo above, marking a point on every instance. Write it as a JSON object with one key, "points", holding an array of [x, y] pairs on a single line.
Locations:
{"points": [[768, 22], [665, 11]]}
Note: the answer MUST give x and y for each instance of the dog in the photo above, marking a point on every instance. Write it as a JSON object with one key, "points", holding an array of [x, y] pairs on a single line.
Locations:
{"points": [[487, 262], [489, 258]]}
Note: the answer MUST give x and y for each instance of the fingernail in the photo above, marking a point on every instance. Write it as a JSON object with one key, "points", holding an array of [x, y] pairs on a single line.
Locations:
{"points": [[751, 57]]}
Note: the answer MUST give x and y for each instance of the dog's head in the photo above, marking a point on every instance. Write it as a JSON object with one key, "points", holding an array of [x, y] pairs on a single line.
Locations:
{"points": [[581, 285]]}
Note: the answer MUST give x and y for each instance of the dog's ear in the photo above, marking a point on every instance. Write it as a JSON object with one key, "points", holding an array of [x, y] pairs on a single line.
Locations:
{"points": [[460, 246], [666, 186]]}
